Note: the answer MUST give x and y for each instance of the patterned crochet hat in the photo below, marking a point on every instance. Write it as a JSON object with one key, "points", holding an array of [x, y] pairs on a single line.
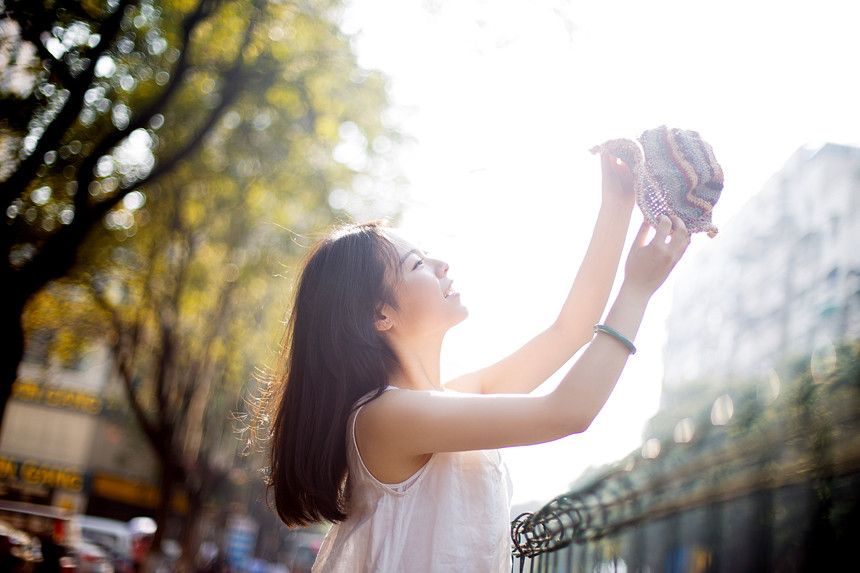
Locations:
{"points": [[674, 173]]}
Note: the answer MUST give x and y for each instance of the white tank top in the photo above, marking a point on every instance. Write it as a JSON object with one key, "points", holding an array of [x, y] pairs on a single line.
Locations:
{"points": [[451, 515]]}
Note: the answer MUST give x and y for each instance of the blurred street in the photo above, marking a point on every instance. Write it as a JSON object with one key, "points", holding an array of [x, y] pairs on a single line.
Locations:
{"points": [[166, 164]]}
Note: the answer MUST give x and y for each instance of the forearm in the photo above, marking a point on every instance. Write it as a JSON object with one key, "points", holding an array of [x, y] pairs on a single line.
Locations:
{"points": [[590, 290], [586, 387], [538, 359], [571, 407]]}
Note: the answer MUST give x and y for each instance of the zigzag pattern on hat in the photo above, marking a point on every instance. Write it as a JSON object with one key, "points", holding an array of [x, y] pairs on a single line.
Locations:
{"points": [[675, 172]]}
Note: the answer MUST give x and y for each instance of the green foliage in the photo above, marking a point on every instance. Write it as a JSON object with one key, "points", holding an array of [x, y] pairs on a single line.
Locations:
{"points": [[180, 152], [268, 84], [806, 408], [64, 323], [204, 133]]}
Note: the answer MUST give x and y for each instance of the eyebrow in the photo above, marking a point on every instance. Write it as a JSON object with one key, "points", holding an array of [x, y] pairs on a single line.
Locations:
{"points": [[416, 252]]}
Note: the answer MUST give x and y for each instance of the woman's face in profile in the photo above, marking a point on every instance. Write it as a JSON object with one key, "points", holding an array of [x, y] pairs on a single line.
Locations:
{"points": [[426, 299]]}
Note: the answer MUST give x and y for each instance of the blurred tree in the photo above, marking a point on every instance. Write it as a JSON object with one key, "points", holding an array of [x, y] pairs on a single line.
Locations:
{"points": [[167, 158], [193, 309], [110, 105]]}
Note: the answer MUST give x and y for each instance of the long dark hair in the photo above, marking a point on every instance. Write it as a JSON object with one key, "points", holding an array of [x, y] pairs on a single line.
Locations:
{"points": [[331, 356]]}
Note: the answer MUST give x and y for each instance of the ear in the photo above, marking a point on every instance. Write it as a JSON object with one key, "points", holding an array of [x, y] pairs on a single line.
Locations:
{"points": [[383, 319]]}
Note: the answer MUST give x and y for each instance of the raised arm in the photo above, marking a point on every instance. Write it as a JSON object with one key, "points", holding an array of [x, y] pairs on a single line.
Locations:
{"points": [[539, 358], [411, 424]]}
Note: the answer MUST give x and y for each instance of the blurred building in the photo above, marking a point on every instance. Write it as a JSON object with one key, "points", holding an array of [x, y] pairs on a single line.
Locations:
{"points": [[730, 478], [782, 278], [67, 441]]}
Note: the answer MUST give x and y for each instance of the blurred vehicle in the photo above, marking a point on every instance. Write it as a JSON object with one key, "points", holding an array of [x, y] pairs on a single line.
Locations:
{"points": [[113, 536], [92, 558], [142, 533], [126, 542], [119, 563], [20, 552], [51, 526]]}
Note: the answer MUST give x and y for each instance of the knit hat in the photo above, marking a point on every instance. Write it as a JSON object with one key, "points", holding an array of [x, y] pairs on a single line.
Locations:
{"points": [[674, 173]]}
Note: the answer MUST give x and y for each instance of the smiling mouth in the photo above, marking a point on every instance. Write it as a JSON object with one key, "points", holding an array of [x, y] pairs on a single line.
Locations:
{"points": [[450, 290]]}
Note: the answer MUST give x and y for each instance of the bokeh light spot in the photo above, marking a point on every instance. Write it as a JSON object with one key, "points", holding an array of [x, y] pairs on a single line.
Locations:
{"points": [[684, 431], [722, 411], [651, 449], [768, 389], [41, 195], [823, 362]]}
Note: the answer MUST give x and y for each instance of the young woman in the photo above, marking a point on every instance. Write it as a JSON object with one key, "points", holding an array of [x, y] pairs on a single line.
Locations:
{"points": [[366, 435]]}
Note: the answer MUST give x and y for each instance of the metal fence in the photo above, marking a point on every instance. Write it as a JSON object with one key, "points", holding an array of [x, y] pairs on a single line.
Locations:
{"points": [[755, 482]]}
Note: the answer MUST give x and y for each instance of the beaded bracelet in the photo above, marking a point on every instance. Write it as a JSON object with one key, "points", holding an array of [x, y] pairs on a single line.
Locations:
{"points": [[616, 335]]}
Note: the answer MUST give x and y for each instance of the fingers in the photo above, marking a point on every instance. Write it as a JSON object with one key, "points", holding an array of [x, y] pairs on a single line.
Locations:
{"points": [[678, 225], [612, 164], [671, 226], [670, 236], [680, 236], [662, 230], [649, 263], [670, 231], [642, 234], [607, 162]]}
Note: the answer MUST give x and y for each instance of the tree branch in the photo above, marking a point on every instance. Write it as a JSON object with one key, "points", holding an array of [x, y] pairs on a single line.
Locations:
{"points": [[167, 324], [123, 366], [144, 304], [216, 324], [15, 184], [57, 253], [31, 34], [142, 119]]}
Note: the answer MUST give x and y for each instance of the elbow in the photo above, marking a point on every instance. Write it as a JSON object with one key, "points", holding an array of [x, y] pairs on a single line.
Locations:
{"points": [[569, 426], [578, 424], [566, 421]]}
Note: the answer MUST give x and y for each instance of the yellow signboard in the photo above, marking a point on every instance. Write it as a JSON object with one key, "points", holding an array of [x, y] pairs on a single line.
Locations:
{"points": [[58, 396], [34, 472]]}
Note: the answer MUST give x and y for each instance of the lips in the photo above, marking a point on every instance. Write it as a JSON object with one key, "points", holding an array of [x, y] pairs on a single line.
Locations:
{"points": [[450, 290]]}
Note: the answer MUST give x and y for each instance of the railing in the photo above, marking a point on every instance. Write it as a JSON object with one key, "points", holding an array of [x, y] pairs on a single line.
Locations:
{"points": [[767, 484]]}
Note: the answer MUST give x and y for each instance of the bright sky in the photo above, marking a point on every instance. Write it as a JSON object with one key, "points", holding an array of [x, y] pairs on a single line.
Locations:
{"points": [[504, 98]]}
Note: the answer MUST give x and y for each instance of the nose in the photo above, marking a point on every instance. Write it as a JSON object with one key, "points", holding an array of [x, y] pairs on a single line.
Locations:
{"points": [[441, 267]]}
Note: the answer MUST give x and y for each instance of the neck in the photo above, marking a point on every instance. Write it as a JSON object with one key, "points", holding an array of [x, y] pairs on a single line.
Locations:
{"points": [[419, 363]]}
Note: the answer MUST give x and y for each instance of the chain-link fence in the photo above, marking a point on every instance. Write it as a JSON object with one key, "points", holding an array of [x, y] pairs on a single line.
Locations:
{"points": [[766, 478]]}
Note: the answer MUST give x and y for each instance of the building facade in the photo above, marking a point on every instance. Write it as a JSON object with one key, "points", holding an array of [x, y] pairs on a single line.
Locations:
{"points": [[67, 441], [781, 279]]}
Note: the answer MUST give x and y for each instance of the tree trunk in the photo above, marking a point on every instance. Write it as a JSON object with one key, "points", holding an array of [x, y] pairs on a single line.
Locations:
{"points": [[13, 346], [188, 536], [55, 260], [167, 486]]}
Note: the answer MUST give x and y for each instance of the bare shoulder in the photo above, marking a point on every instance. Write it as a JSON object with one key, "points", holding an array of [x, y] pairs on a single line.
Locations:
{"points": [[398, 416], [402, 424], [392, 406], [381, 433]]}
